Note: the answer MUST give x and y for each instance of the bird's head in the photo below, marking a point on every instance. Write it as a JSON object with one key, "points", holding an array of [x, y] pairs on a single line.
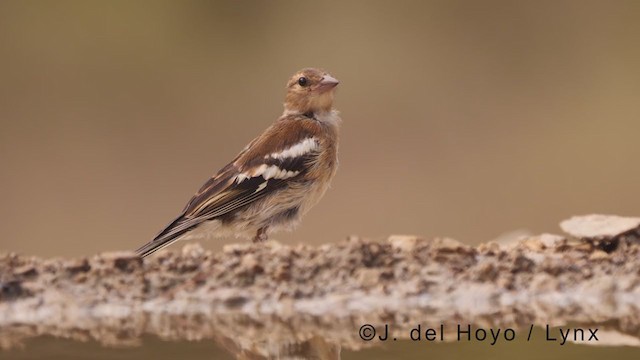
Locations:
{"points": [[310, 90]]}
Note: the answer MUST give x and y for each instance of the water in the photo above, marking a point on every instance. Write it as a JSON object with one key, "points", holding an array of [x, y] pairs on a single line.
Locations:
{"points": [[317, 347]]}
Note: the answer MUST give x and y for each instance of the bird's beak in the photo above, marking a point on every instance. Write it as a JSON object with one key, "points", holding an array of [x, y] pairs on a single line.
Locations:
{"points": [[328, 82]]}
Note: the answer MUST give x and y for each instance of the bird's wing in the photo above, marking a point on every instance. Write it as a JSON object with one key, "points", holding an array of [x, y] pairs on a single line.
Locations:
{"points": [[263, 167], [223, 196]]}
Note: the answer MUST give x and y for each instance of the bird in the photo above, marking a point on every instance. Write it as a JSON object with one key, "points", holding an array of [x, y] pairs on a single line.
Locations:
{"points": [[275, 179]]}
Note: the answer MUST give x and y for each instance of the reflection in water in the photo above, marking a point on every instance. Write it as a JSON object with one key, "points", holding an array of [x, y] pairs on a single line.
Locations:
{"points": [[314, 348], [250, 337]]}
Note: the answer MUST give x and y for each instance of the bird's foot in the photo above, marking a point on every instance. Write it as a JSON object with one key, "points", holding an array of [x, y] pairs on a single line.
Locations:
{"points": [[261, 235]]}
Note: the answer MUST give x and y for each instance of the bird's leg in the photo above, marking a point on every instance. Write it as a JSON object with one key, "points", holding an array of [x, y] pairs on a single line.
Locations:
{"points": [[261, 235]]}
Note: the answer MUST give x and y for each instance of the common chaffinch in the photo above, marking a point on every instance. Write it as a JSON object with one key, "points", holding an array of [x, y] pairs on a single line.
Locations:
{"points": [[275, 179]]}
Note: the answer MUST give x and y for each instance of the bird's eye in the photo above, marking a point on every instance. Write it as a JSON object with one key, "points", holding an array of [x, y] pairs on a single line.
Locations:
{"points": [[302, 81]]}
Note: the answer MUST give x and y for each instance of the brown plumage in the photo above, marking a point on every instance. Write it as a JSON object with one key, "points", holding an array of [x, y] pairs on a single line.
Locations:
{"points": [[276, 179]]}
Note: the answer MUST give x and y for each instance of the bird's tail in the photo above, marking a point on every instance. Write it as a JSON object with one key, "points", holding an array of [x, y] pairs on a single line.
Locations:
{"points": [[166, 237], [154, 245]]}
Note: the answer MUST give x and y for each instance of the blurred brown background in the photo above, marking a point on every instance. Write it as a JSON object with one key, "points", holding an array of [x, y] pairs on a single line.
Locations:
{"points": [[461, 118]]}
